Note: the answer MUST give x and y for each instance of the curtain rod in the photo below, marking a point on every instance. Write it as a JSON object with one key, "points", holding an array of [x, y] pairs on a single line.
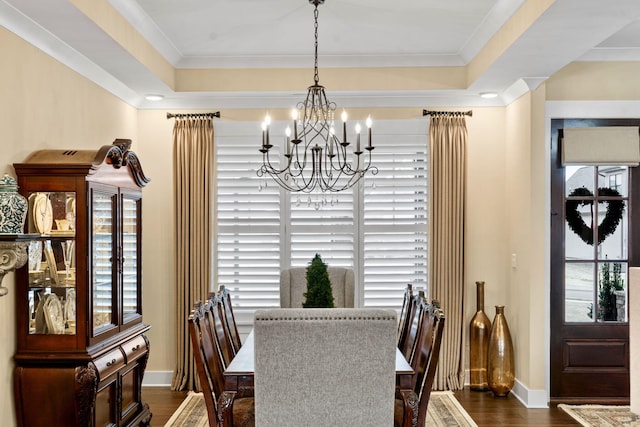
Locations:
{"points": [[441, 113], [193, 115]]}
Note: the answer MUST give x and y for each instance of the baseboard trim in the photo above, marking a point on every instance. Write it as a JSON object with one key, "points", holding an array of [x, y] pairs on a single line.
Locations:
{"points": [[531, 399], [157, 378]]}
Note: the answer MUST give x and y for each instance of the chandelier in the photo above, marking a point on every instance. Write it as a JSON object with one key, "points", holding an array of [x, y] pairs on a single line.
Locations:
{"points": [[317, 158]]}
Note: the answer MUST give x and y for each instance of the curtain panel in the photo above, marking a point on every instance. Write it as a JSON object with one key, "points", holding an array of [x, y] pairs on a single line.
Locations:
{"points": [[447, 141], [193, 207]]}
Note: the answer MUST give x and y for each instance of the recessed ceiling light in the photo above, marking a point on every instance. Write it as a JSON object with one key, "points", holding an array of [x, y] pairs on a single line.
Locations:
{"points": [[154, 97], [488, 95]]}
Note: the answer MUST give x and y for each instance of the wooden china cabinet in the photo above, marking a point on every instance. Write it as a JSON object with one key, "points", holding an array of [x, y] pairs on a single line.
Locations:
{"points": [[81, 349]]}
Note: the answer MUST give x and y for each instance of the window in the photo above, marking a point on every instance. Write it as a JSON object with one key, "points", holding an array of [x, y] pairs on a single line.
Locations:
{"points": [[378, 228], [615, 181]]}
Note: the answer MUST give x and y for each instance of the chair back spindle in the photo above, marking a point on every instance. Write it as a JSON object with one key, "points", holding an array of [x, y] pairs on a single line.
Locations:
{"points": [[404, 314], [230, 319], [216, 318]]}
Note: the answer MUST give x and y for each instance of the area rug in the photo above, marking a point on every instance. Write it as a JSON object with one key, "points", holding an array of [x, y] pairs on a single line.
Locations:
{"points": [[444, 411], [602, 415]]}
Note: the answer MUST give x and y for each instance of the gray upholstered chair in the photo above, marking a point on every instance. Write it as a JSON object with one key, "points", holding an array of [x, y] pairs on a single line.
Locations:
{"points": [[325, 367], [293, 285]]}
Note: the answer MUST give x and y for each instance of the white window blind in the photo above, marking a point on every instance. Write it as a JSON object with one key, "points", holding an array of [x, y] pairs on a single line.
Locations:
{"points": [[395, 216], [323, 225], [378, 228], [248, 226]]}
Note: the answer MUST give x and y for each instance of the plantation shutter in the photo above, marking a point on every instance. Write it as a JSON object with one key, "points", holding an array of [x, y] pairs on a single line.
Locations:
{"points": [[395, 214], [247, 256], [322, 224]]}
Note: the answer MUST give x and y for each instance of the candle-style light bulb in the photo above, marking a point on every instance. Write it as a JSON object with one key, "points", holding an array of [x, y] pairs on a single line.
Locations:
{"points": [[267, 122], [287, 141], [294, 116], [344, 126], [369, 123], [358, 129]]}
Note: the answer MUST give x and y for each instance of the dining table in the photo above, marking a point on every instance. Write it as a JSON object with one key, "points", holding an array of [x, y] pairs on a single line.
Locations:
{"points": [[240, 372]]}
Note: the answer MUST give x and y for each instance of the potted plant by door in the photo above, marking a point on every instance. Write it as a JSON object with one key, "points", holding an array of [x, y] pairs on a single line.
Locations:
{"points": [[609, 286], [319, 294]]}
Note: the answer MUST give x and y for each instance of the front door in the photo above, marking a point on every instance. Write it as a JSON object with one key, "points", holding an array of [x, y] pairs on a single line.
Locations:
{"points": [[589, 360]]}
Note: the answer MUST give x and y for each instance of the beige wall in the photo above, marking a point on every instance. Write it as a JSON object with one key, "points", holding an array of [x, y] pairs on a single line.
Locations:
{"points": [[595, 81], [158, 237], [486, 214], [526, 188], [46, 105]]}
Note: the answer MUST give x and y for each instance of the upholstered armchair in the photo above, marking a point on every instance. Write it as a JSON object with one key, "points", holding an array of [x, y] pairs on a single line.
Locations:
{"points": [[324, 367], [293, 285]]}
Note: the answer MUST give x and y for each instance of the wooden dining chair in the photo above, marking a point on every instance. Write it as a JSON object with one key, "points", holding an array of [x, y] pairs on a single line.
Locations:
{"points": [[325, 367], [230, 320], [215, 313], [223, 408], [411, 406], [404, 314], [417, 307]]}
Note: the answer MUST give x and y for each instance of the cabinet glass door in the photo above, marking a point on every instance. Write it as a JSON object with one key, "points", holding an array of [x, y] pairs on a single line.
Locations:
{"points": [[130, 245], [52, 279], [102, 223]]}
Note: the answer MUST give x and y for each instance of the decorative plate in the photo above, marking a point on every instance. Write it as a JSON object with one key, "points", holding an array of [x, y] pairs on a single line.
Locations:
{"points": [[43, 213]]}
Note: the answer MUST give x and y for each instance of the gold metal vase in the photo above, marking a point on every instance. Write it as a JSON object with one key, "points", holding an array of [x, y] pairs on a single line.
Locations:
{"points": [[479, 332], [500, 363]]}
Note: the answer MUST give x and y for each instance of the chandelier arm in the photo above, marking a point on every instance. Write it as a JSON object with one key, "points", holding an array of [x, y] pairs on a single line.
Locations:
{"points": [[267, 167]]}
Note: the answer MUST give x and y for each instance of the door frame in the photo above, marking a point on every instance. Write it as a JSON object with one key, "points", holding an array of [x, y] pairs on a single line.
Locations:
{"points": [[556, 252]]}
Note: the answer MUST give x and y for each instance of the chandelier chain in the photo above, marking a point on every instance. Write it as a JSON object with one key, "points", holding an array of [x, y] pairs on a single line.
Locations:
{"points": [[315, 67]]}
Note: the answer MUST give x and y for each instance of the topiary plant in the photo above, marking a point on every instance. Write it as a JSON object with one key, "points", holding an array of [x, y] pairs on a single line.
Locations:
{"points": [[318, 293]]}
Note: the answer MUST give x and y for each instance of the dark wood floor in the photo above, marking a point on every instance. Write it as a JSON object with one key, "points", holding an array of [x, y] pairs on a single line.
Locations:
{"points": [[163, 402], [486, 410]]}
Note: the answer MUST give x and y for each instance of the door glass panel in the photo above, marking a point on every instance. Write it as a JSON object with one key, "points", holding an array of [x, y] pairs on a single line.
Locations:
{"points": [[612, 301], [51, 263], [578, 233], [613, 230], [615, 178], [579, 176], [130, 254], [578, 295], [102, 244]]}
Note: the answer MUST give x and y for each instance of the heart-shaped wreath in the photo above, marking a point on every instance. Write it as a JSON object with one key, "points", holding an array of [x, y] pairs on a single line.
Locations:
{"points": [[615, 209]]}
